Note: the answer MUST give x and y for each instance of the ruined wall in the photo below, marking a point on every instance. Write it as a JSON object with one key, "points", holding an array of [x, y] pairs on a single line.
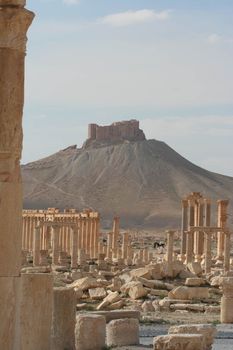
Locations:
{"points": [[125, 130]]}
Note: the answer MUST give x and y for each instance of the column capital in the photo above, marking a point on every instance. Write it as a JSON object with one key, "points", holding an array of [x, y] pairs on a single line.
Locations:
{"points": [[14, 23], [223, 202], [184, 202]]}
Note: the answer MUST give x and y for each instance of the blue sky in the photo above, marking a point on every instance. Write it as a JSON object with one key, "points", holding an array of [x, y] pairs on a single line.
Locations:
{"points": [[166, 63]]}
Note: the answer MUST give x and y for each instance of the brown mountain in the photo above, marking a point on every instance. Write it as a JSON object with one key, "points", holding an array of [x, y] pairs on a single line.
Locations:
{"points": [[140, 180]]}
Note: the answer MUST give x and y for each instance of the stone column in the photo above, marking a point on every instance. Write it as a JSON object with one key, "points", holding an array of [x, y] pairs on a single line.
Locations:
{"points": [[97, 235], [184, 227], [116, 230], [189, 248], [55, 244], [222, 221], [14, 23], [227, 251], [170, 246], [88, 233], [208, 257], [36, 246], [227, 300], [74, 248], [200, 234], [109, 245], [125, 243]]}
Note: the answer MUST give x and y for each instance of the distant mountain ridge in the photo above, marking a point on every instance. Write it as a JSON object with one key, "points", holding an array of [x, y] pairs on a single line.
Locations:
{"points": [[141, 181]]}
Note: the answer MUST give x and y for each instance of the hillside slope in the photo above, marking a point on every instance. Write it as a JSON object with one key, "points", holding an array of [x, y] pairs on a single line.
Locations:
{"points": [[141, 181]]}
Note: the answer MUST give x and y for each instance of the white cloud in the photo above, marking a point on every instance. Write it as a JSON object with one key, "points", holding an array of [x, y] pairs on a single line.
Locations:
{"points": [[127, 18], [214, 38], [71, 2]]}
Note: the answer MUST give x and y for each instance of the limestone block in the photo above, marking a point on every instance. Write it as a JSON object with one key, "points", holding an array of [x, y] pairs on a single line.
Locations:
{"points": [[195, 282], [156, 271], [212, 309], [158, 292], [179, 341], [190, 307], [141, 272], [207, 330], [36, 311], [117, 305], [10, 228], [188, 293], [64, 318], [147, 306], [137, 291], [9, 317], [97, 293], [78, 293], [123, 332], [90, 332], [85, 283], [111, 298]]}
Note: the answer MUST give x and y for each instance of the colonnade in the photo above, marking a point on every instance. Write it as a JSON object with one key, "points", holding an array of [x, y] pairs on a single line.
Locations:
{"points": [[43, 223], [197, 231]]}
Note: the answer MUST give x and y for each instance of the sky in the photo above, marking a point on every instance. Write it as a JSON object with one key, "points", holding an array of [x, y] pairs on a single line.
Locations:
{"points": [[165, 63]]}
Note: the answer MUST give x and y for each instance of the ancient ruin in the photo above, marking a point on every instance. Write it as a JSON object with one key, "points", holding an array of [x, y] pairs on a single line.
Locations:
{"points": [[68, 284]]}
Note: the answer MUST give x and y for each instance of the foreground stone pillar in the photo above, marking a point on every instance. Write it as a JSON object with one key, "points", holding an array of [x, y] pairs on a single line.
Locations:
{"points": [[14, 23], [64, 317], [227, 300]]}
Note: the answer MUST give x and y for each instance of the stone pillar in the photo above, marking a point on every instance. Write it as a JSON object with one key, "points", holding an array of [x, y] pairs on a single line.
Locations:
{"points": [[88, 232], [74, 248], [227, 301], [189, 237], [227, 251], [64, 315], [184, 227], [208, 257], [55, 244], [36, 304], [222, 222], [116, 230], [109, 245], [97, 235], [14, 23], [170, 246], [125, 243], [36, 246]]}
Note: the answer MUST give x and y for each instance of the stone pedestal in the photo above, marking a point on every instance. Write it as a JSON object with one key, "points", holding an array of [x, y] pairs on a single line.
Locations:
{"points": [[90, 332], [64, 317], [36, 302], [227, 300], [123, 332]]}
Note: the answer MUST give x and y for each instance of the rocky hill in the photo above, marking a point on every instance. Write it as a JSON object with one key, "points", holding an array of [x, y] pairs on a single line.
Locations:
{"points": [[143, 181]]}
